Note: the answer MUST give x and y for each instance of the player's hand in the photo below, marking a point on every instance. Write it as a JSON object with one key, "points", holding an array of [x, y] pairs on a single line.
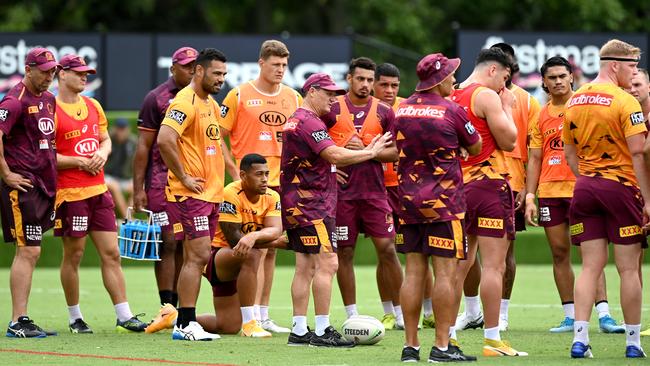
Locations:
{"points": [[97, 161], [507, 98], [646, 216], [520, 202], [355, 143], [379, 143], [84, 164], [464, 154], [530, 212], [139, 200], [244, 246], [282, 242], [17, 181], [194, 184], [341, 176]]}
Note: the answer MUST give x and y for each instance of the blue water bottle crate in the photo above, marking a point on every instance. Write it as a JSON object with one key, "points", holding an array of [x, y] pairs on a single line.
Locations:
{"points": [[139, 239]]}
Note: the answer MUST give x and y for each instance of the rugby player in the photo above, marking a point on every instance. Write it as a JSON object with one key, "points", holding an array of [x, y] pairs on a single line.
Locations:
{"points": [[362, 206], [190, 145], [253, 115], [308, 181], [489, 219], [28, 172], [603, 134], [150, 174], [430, 131], [641, 91], [84, 206]]}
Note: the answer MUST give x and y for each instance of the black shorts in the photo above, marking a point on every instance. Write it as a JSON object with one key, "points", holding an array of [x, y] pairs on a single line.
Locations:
{"points": [[317, 238], [25, 215], [441, 239]]}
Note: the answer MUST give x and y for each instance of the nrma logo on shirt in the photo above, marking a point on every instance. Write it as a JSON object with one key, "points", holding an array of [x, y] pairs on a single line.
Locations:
{"points": [[86, 147]]}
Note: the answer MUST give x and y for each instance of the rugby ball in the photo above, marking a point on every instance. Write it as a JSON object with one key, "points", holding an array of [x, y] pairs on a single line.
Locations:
{"points": [[363, 329]]}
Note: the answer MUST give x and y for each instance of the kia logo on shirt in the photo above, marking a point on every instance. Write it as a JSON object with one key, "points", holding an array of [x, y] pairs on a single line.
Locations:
{"points": [[86, 147], [46, 125], [272, 118]]}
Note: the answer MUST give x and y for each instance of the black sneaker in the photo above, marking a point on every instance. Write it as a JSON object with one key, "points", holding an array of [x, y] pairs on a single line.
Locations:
{"points": [[80, 326], [331, 338], [131, 325], [25, 328], [450, 355], [410, 354], [300, 340]]}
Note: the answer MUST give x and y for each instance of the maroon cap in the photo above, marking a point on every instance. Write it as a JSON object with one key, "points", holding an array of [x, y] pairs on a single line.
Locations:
{"points": [[323, 81], [184, 56], [76, 63], [433, 69], [41, 58]]}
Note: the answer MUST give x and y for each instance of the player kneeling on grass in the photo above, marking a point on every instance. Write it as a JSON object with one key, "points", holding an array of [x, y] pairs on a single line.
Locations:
{"points": [[84, 205]]}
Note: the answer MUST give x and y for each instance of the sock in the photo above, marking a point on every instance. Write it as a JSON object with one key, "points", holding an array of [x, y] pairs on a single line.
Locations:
{"points": [[299, 325], [415, 348], [569, 309], [581, 332], [351, 310], [388, 307], [185, 316], [503, 310], [427, 307], [123, 311], [443, 349], [247, 314], [256, 311], [166, 297], [452, 332], [399, 315], [603, 308], [174, 299], [322, 322], [264, 312], [492, 333], [74, 313], [633, 335], [472, 305]]}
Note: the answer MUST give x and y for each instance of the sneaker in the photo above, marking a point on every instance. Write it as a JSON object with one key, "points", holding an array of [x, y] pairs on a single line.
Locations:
{"points": [[429, 322], [410, 354], [634, 352], [493, 348], [452, 354], [565, 326], [25, 328], [47, 332], [503, 323], [331, 338], [300, 340], [131, 325], [389, 321], [166, 319], [581, 350], [252, 329], [463, 321], [608, 325], [270, 326], [192, 332], [454, 348], [80, 326], [645, 333]]}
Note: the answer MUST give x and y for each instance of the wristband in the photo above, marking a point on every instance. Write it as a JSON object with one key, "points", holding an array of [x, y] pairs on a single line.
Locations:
{"points": [[530, 196]]}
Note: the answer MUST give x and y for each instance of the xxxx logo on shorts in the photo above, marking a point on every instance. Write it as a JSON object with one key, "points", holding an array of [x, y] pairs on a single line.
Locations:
{"points": [[489, 223], [628, 231], [442, 243], [309, 240], [577, 229]]}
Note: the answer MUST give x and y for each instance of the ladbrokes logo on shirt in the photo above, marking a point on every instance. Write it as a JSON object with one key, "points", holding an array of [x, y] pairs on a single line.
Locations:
{"points": [[421, 111], [604, 100]]}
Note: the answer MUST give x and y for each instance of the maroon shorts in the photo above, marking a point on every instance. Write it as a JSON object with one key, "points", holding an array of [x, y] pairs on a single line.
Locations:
{"points": [[520, 217], [25, 215], [605, 209], [157, 203], [370, 216], [489, 209], [313, 239], [75, 219], [442, 239], [554, 211], [219, 288], [193, 218]]}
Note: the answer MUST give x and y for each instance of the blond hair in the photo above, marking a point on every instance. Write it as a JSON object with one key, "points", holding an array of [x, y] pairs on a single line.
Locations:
{"points": [[272, 47], [615, 47]]}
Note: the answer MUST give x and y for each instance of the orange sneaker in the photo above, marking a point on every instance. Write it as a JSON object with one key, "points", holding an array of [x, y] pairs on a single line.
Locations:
{"points": [[165, 319], [494, 348], [253, 329]]}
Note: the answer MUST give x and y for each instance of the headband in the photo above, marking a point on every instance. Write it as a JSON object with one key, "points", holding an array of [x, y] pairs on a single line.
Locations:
{"points": [[614, 58]]}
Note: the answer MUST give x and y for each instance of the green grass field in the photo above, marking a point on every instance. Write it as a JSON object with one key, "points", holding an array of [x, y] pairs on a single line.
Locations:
{"points": [[535, 308]]}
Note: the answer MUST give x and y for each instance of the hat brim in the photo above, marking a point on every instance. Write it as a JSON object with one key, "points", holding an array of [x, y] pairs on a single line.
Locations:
{"points": [[186, 61], [452, 66], [48, 66], [87, 69], [334, 88]]}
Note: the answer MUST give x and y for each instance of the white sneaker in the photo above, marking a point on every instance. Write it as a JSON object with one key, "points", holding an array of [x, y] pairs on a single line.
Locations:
{"points": [[269, 325], [463, 321], [503, 323], [192, 332]]}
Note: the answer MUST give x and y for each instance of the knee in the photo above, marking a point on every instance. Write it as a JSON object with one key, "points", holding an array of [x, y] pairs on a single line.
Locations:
{"points": [[560, 256], [29, 254], [328, 265], [168, 246], [387, 254], [73, 257], [345, 256], [111, 257]]}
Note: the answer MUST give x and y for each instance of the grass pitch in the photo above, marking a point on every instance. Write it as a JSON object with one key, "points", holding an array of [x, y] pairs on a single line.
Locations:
{"points": [[534, 308]]}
